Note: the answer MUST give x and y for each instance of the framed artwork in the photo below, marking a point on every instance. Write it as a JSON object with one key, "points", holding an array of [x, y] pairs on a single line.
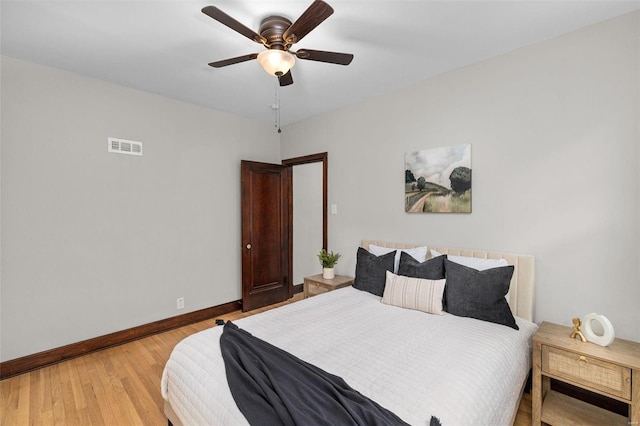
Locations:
{"points": [[438, 180]]}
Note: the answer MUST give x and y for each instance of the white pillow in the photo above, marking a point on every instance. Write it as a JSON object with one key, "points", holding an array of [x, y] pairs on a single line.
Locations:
{"points": [[414, 293], [418, 253], [474, 262]]}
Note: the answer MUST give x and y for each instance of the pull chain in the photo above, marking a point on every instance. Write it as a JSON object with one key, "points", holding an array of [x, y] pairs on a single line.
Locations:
{"points": [[276, 107]]}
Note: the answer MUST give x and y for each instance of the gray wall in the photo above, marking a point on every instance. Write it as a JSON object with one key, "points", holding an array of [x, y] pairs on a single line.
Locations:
{"points": [[95, 242], [554, 129]]}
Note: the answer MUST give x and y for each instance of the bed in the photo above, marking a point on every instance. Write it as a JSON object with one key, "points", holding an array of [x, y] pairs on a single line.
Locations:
{"points": [[460, 370]]}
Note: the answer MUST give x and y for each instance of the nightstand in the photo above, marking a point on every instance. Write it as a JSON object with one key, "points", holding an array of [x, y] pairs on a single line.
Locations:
{"points": [[315, 284], [612, 371]]}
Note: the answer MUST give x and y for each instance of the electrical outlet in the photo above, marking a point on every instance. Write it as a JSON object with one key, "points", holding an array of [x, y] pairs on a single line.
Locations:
{"points": [[180, 303]]}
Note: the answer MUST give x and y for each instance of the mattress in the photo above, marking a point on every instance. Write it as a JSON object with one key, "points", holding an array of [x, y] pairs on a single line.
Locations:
{"points": [[461, 370]]}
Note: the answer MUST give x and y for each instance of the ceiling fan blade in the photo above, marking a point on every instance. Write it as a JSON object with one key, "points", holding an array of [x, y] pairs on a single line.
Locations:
{"points": [[286, 80], [231, 61], [310, 18], [227, 20], [324, 56]]}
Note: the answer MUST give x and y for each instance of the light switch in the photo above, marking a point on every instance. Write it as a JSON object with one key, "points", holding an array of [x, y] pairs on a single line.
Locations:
{"points": [[334, 209]]}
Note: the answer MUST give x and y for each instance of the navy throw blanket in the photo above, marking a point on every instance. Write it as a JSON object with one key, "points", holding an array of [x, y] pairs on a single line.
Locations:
{"points": [[272, 387]]}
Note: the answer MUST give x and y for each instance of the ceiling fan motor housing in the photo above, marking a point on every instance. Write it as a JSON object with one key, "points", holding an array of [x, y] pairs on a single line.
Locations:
{"points": [[272, 28]]}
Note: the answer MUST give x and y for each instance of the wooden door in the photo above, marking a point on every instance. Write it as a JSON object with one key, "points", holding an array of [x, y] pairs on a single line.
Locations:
{"points": [[266, 232]]}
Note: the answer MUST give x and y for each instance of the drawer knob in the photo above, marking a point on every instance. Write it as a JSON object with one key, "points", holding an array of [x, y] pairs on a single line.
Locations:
{"points": [[583, 360]]}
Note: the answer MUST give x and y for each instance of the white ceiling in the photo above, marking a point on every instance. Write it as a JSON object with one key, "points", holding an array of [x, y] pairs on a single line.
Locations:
{"points": [[164, 46]]}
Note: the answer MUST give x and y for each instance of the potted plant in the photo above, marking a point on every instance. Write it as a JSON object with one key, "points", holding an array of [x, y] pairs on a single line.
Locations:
{"points": [[328, 261]]}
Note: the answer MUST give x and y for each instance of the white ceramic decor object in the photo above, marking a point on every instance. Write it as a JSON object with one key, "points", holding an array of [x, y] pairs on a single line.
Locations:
{"points": [[328, 273], [587, 329]]}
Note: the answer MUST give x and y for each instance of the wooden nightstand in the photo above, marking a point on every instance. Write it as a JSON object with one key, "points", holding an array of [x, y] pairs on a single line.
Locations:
{"points": [[315, 284], [612, 371]]}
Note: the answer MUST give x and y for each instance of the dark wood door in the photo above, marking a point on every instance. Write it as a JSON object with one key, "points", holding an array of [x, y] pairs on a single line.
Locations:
{"points": [[266, 231]]}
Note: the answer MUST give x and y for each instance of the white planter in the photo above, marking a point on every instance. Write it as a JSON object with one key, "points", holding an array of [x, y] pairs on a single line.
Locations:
{"points": [[328, 273]]}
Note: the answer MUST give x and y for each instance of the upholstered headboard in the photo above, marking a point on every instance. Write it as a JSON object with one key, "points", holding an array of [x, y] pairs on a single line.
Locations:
{"points": [[522, 291]]}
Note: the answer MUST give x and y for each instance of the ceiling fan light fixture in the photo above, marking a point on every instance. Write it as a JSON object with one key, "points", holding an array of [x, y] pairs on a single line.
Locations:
{"points": [[276, 62]]}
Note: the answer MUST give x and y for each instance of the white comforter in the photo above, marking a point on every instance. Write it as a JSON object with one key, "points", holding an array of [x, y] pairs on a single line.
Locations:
{"points": [[461, 370]]}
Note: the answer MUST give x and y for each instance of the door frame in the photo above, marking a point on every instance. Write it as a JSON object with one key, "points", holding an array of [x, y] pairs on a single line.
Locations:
{"points": [[323, 158]]}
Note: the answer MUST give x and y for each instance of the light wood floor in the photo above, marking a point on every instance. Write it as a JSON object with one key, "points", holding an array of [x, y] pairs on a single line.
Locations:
{"points": [[116, 386]]}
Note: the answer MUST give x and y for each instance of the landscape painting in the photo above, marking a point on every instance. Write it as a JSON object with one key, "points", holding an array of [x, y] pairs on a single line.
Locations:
{"points": [[438, 180]]}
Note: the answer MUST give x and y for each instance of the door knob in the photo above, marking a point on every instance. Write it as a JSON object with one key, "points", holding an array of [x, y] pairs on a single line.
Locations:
{"points": [[248, 246]]}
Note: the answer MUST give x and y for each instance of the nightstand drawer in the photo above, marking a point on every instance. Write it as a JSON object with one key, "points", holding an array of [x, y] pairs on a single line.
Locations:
{"points": [[314, 289], [587, 371]]}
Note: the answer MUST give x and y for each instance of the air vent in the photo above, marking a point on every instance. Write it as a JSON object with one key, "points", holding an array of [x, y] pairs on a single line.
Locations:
{"points": [[123, 146]]}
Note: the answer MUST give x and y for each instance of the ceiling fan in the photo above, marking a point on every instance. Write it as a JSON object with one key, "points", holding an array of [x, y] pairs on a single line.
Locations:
{"points": [[278, 34]]}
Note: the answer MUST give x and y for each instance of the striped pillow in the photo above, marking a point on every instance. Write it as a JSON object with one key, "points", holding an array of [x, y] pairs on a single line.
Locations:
{"points": [[414, 293]]}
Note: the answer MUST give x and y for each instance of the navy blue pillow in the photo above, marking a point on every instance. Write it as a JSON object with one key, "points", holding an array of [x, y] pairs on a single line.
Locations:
{"points": [[479, 294], [432, 269], [371, 271]]}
